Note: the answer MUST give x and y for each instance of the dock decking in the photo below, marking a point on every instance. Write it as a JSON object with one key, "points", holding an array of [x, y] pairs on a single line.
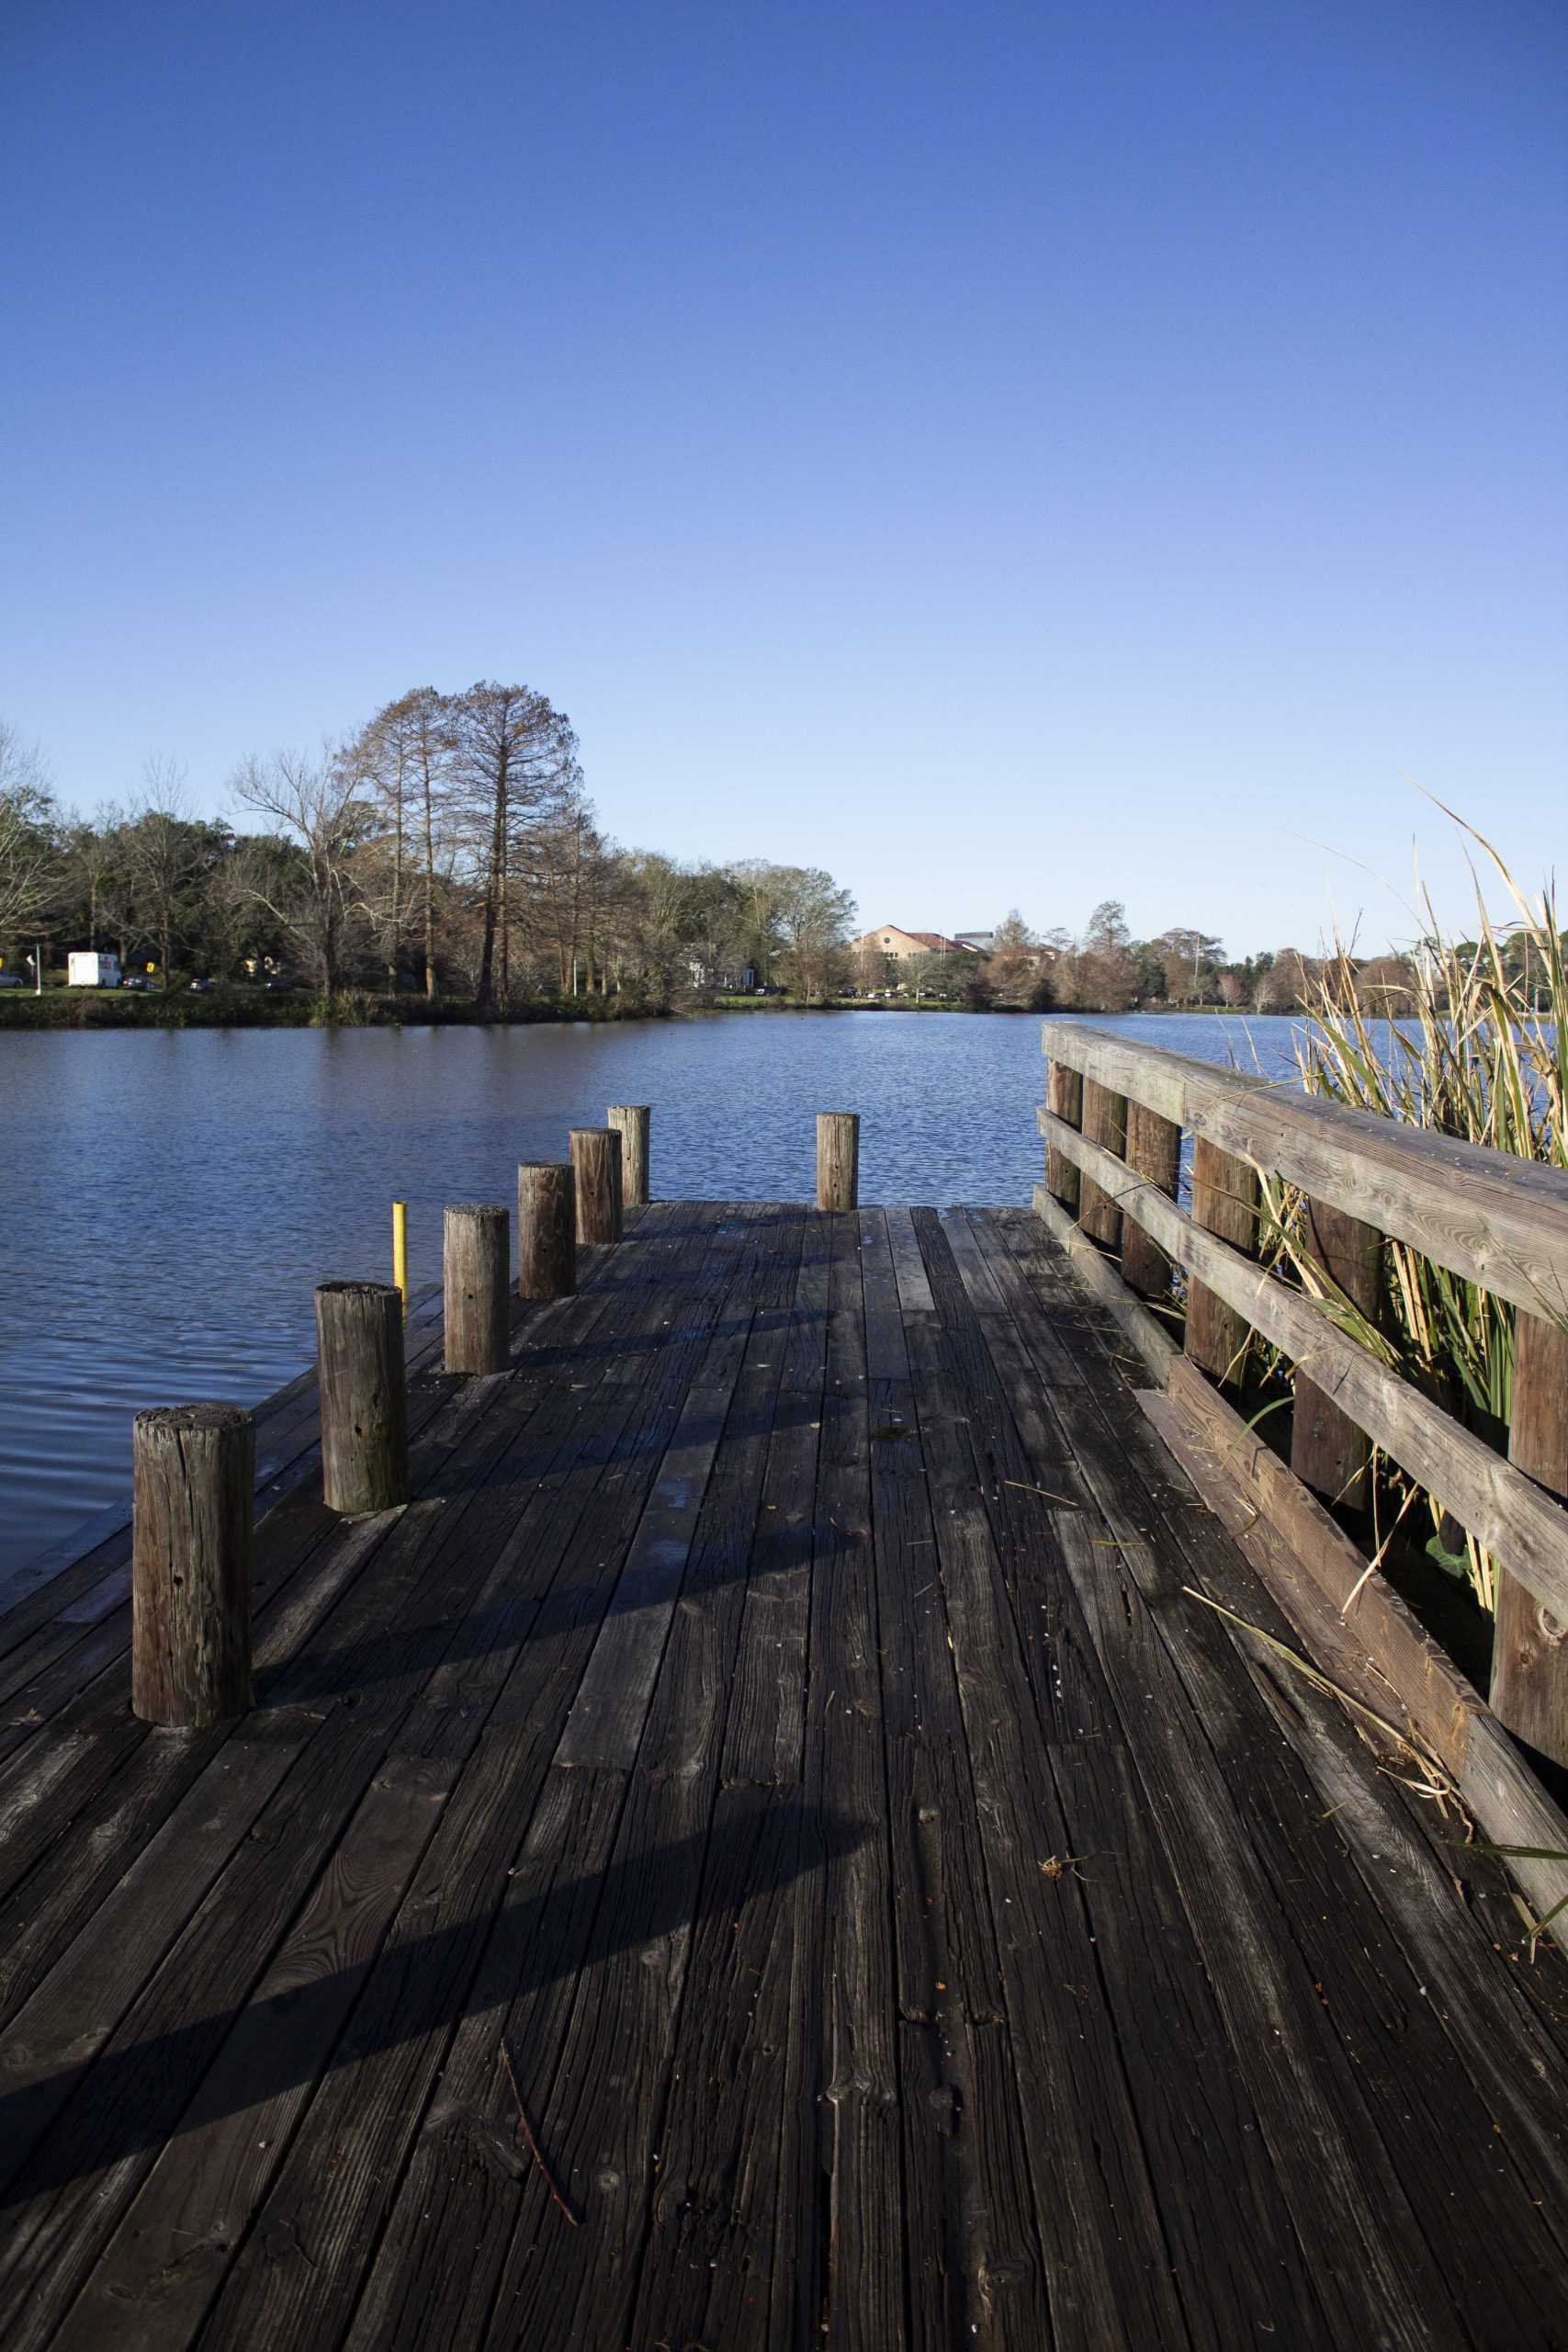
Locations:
{"points": [[780, 1751]]}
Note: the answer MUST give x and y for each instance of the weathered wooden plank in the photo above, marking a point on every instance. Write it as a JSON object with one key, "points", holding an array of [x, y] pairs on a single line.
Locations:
{"points": [[1380, 1652], [149, 2289], [324, 2216], [465, 2165], [974, 2267], [1106, 2264], [1244, 1770], [435, 2278], [58, 2031], [1513, 2065], [1234, 2251], [767, 1725], [396, 1674], [852, 2253], [914, 1290], [1523, 1527], [1499, 1221]]}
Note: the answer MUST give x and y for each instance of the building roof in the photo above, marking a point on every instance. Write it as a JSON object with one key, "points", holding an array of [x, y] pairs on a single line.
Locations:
{"points": [[937, 941]]}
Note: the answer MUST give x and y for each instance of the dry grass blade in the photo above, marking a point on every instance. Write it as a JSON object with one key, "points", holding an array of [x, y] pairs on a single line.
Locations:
{"points": [[1437, 1781]]}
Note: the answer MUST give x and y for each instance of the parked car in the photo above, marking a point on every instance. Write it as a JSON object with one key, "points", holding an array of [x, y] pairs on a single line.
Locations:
{"points": [[279, 987], [142, 980], [12, 980], [203, 988]]}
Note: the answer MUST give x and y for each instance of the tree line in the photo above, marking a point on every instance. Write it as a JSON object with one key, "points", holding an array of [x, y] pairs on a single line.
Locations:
{"points": [[448, 846]]}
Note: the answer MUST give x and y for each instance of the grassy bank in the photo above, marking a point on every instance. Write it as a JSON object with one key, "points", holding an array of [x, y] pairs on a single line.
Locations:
{"points": [[95, 1009]]}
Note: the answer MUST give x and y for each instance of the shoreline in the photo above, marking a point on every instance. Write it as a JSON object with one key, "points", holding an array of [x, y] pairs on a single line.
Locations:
{"points": [[88, 1012]]}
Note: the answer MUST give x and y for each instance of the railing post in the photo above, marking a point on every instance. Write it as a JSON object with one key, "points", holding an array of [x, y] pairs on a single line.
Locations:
{"points": [[1154, 1153], [1329, 1452], [1064, 1095], [1224, 1202], [193, 1483], [359, 1356], [596, 1174], [838, 1159], [476, 1313], [1530, 1642], [546, 1229], [630, 1120], [1105, 1122]]}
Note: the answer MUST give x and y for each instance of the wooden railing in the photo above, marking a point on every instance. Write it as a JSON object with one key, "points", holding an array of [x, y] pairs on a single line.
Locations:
{"points": [[1113, 1122]]}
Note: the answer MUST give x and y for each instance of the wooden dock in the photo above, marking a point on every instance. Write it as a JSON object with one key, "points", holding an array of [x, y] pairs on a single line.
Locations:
{"points": [[804, 1830]]}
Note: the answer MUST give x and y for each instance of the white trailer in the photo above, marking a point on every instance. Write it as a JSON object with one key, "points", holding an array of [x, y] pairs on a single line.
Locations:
{"points": [[87, 969]]}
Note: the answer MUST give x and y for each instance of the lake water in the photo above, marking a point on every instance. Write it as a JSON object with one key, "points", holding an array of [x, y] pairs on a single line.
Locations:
{"points": [[168, 1199]]}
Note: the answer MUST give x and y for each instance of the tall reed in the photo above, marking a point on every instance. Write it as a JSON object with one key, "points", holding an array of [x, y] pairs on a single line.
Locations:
{"points": [[1478, 1050]]}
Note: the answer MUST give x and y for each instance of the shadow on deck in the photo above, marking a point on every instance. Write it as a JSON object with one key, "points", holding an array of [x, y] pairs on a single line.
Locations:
{"points": [[770, 1845]]}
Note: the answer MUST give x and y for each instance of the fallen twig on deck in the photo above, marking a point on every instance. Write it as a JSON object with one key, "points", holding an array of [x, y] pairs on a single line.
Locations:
{"points": [[575, 2219]]}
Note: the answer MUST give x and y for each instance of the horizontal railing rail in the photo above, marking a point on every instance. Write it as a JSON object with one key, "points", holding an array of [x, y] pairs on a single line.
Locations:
{"points": [[1497, 1221], [1114, 1122]]}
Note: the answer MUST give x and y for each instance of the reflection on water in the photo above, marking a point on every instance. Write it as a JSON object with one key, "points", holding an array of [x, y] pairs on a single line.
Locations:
{"points": [[168, 1199]]}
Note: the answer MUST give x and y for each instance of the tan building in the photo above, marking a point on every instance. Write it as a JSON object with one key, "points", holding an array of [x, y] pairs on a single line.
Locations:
{"points": [[905, 946]]}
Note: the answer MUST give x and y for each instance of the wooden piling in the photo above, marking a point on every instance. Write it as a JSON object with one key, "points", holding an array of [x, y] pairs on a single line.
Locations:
{"points": [[476, 1241], [630, 1120], [596, 1174], [359, 1356], [1064, 1095], [1154, 1153], [838, 1159], [1105, 1122], [1329, 1453], [1530, 1641], [1225, 1201], [192, 1482], [546, 1229]]}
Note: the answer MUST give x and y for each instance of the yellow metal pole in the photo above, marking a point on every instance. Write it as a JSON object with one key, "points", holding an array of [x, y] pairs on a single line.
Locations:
{"points": [[401, 1248]]}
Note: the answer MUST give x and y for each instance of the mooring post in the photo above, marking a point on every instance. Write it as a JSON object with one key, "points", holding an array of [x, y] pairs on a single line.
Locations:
{"points": [[838, 1159], [359, 1359], [546, 1229], [596, 1173], [630, 1120], [476, 1244], [193, 1481]]}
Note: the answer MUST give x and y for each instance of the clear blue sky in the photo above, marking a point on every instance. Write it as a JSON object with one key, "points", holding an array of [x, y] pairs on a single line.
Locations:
{"points": [[1005, 453]]}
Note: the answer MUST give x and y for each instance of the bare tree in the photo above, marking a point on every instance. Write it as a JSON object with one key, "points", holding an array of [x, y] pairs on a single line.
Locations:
{"points": [[94, 862], [162, 849], [317, 807], [29, 842], [813, 917], [407, 755], [516, 759]]}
